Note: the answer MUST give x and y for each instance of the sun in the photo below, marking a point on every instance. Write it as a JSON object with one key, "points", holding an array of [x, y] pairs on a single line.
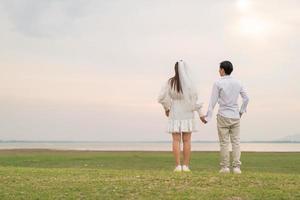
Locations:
{"points": [[243, 5], [250, 22]]}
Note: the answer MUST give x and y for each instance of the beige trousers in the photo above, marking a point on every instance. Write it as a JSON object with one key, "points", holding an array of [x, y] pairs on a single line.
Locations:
{"points": [[229, 129]]}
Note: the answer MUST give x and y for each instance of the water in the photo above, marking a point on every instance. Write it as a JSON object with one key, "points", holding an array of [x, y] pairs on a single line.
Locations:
{"points": [[147, 146]]}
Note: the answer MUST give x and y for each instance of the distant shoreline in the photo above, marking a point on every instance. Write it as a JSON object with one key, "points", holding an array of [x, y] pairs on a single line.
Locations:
{"points": [[118, 151], [147, 146], [45, 141]]}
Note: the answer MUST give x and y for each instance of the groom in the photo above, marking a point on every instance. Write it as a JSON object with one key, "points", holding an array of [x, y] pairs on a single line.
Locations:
{"points": [[226, 91]]}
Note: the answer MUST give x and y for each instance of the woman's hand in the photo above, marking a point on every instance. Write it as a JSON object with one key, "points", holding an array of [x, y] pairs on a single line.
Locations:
{"points": [[167, 113]]}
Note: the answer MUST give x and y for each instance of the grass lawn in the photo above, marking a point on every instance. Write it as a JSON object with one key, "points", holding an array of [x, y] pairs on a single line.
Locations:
{"points": [[44, 174]]}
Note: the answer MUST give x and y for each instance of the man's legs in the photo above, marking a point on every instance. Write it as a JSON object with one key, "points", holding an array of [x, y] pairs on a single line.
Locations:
{"points": [[235, 142], [223, 132]]}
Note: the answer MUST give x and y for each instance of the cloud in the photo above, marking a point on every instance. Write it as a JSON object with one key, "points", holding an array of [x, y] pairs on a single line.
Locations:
{"points": [[43, 18]]}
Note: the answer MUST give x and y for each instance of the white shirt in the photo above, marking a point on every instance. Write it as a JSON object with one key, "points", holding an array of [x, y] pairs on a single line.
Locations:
{"points": [[226, 92]]}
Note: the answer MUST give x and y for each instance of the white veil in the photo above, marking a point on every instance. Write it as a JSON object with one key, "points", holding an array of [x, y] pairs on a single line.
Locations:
{"points": [[187, 84]]}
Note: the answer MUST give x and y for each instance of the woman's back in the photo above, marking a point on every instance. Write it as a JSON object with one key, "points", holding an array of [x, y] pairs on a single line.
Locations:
{"points": [[180, 101]]}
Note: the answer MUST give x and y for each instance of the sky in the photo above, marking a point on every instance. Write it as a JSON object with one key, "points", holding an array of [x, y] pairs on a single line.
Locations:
{"points": [[91, 70]]}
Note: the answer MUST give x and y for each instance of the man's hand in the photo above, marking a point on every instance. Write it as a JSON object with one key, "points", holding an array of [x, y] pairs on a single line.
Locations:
{"points": [[167, 113], [203, 119]]}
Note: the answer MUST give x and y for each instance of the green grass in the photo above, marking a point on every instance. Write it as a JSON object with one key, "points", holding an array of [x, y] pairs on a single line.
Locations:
{"points": [[42, 174]]}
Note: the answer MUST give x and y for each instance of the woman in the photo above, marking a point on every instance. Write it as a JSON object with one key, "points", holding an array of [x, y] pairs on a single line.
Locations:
{"points": [[179, 99]]}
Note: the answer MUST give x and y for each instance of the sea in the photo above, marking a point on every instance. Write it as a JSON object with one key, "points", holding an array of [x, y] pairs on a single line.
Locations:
{"points": [[146, 146]]}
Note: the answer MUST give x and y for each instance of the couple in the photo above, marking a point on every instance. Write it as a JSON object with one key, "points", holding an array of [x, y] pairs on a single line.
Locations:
{"points": [[179, 99]]}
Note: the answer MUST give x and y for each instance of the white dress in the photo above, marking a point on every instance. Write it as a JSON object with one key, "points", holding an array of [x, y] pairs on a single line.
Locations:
{"points": [[181, 116]]}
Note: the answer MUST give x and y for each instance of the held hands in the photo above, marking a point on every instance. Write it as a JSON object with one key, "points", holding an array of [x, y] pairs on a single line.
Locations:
{"points": [[167, 113], [202, 118]]}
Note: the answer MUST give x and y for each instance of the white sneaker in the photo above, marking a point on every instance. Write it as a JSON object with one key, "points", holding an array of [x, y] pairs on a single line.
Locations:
{"points": [[237, 170], [224, 170], [178, 168], [185, 168]]}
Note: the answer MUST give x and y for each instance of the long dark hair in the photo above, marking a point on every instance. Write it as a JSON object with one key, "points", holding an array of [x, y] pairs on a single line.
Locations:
{"points": [[175, 81]]}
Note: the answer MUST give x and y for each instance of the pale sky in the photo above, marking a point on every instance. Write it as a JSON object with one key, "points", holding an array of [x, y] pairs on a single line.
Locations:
{"points": [[92, 70]]}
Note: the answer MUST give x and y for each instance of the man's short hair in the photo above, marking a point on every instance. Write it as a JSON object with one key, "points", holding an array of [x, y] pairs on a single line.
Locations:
{"points": [[227, 66]]}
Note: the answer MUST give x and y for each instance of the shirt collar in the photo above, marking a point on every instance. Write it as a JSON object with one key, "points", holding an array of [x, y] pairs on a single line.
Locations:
{"points": [[226, 76]]}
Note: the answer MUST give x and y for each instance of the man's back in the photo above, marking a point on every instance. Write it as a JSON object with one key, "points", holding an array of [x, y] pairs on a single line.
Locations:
{"points": [[226, 92], [229, 91]]}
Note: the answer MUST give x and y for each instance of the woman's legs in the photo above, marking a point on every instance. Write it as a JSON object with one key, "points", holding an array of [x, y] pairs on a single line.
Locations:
{"points": [[176, 147], [186, 137]]}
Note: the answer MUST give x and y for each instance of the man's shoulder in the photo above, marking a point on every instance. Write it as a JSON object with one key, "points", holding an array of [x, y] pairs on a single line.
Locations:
{"points": [[230, 80]]}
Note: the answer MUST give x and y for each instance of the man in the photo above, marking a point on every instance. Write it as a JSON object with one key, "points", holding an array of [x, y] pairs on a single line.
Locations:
{"points": [[226, 92]]}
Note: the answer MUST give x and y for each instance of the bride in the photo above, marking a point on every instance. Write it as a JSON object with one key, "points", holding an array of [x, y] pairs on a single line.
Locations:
{"points": [[179, 99]]}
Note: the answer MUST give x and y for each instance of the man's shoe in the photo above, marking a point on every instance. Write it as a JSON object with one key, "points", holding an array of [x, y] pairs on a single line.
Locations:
{"points": [[224, 170], [178, 168], [237, 170], [185, 168]]}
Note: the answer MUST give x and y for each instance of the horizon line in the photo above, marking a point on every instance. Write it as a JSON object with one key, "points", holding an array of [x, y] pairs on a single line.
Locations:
{"points": [[140, 141]]}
